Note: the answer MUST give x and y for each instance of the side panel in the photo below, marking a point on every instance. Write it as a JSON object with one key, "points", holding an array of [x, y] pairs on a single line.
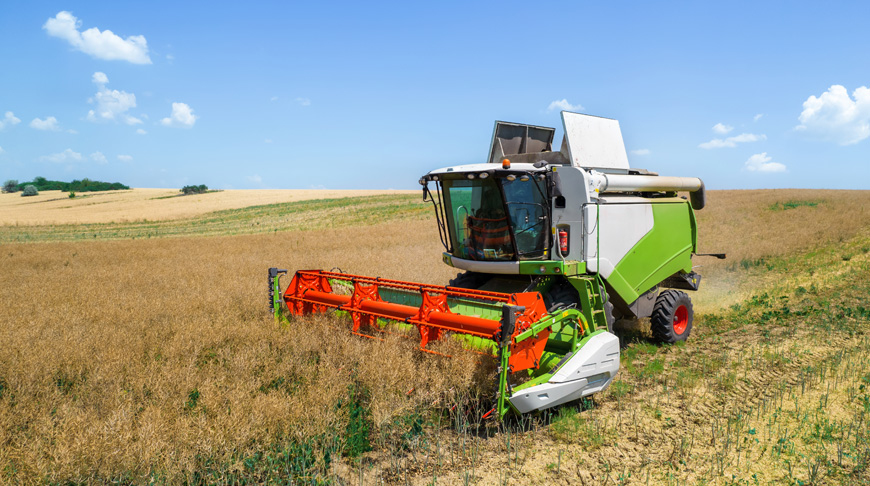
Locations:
{"points": [[613, 229], [665, 250]]}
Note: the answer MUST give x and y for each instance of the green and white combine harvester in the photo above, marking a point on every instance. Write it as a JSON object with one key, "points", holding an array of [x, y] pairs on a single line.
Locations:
{"points": [[555, 246]]}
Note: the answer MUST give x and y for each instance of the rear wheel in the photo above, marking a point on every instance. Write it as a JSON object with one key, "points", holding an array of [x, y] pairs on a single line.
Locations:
{"points": [[672, 316]]}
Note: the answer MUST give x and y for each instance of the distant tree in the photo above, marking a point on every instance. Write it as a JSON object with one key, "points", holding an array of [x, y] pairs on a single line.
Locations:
{"points": [[72, 194], [10, 186], [200, 189], [29, 190]]}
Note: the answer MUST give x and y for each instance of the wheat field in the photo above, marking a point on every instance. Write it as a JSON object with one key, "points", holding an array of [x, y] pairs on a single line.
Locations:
{"points": [[154, 360], [138, 204]]}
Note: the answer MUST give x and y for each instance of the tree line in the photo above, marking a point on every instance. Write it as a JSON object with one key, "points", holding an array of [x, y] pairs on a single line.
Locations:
{"points": [[43, 184]]}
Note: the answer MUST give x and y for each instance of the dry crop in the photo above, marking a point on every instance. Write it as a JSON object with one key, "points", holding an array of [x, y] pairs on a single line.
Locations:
{"points": [[153, 360], [137, 205]]}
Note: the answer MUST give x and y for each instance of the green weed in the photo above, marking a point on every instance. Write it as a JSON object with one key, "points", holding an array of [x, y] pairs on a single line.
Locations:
{"points": [[792, 204]]}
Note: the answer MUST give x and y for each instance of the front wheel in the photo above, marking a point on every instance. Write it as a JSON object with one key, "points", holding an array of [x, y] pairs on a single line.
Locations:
{"points": [[565, 296], [672, 316]]}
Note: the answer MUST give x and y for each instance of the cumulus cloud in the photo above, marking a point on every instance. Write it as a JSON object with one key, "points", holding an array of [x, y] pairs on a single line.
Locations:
{"points": [[836, 117], [101, 45], [302, 101], [722, 129], [9, 120], [140, 131], [50, 123], [99, 158], [182, 116], [111, 104], [732, 142], [640, 152], [563, 105], [100, 78], [67, 155], [761, 163], [125, 158]]}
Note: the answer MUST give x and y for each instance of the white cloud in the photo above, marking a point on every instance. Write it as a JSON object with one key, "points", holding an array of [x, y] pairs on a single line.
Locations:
{"points": [[761, 163], [111, 103], [732, 142], [836, 117], [256, 179], [268, 140], [563, 105], [182, 116], [722, 129], [50, 123], [9, 119], [757, 117], [67, 155], [640, 152], [302, 101], [141, 131], [100, 78], [1, 150], [125, 158], [274, 98], [99, 158], [101, 45]]}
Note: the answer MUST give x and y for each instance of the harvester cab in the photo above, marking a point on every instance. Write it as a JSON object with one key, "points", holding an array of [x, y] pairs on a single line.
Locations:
{"points": [[554, 247]]}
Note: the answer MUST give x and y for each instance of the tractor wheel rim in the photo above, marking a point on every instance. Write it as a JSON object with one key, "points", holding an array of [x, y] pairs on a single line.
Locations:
{"points": [[681, 319]]}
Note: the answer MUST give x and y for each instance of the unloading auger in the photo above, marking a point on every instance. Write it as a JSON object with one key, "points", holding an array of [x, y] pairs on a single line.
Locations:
{"points": [[556, 246]]}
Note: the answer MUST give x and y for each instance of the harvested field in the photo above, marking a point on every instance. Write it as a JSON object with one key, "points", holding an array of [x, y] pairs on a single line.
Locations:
{"points": [[153, 360], [137, 205]]}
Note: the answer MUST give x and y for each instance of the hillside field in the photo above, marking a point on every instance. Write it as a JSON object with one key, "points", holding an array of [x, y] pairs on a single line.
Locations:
{"points": [[137, 348], [142, 205]]}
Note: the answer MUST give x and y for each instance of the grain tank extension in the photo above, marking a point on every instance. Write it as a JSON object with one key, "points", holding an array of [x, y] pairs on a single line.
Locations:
{"points": [[553, 248]]}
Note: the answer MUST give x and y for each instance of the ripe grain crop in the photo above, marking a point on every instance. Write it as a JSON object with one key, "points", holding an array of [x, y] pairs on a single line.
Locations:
{"points": [[137, 205], [131, 358], [752, 227], [270, 218], [154, 360]]}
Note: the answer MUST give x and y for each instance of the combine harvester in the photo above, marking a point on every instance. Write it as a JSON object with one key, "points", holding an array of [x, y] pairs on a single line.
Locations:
{"points": [[555, 246]]}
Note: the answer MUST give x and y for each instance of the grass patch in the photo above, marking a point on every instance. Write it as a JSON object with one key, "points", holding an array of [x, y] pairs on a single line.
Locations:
{"points": [[792, 204], [572, 427]]}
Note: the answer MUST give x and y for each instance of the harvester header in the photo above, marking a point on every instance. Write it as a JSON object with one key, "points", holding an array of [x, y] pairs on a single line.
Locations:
{"points": [[555, 248]]}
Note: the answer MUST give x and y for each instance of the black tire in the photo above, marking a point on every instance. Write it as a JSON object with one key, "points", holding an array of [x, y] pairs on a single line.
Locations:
{"points": [[672, 317], [468, 280], [564, 295]]}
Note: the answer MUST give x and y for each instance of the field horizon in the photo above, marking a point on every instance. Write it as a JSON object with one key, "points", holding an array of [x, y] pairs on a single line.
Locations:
{"points": [[152, 204]]}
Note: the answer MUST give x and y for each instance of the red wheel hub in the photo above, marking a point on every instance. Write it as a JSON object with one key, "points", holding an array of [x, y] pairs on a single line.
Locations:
{"points": [[681, 320]]}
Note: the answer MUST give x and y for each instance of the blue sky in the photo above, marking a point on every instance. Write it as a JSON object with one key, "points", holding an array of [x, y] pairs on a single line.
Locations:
{"points": [[372, 95]]}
